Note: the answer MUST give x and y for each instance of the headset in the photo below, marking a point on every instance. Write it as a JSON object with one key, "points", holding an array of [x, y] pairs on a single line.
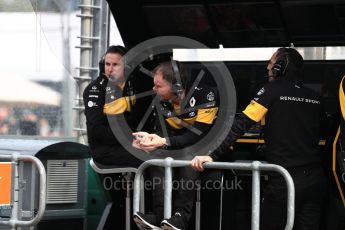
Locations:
{"points": [[176, 84], [280, 66], [289, 63]]}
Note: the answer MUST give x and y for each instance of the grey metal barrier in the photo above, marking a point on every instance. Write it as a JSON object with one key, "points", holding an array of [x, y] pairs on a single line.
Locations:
{"points": [[14, 222], [254, 166]]}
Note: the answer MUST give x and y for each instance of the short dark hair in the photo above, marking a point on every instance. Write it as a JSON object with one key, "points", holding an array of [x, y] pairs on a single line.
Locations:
{"points": [[117, 49], [294, 62]]}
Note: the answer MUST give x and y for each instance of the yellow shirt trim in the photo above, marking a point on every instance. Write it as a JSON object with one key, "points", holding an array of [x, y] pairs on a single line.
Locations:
{"points": [[204, 116], [255, 111], [342, 99], [116, 107], [207, 115]]}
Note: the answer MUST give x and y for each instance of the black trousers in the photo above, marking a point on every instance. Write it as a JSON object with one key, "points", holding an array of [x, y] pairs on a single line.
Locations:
{"points": [[184, 187], [310, 190]]}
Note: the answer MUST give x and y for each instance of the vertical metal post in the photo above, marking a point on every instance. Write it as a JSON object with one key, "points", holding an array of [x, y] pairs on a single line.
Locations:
{"points": [[67, 84], [198, 209], [167, 188], [221, 202], [15, 210], [256, 196]]}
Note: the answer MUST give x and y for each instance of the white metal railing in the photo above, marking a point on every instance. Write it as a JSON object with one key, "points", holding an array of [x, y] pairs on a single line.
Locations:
{"points": [[14, 221], [254, 166]]}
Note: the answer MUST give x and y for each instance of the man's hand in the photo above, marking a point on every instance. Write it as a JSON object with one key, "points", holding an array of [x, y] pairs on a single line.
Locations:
{"points": [[138, 136], [147, 142], [198, 161], [153, 141], [136, 143]]}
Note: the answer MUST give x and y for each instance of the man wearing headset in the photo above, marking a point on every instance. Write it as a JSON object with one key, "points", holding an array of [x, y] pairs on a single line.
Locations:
{"points": [[107, 97], [183, 129], [293, 118]]}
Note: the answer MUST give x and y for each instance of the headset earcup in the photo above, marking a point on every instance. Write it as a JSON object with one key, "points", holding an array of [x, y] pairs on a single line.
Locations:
{"points": [[278, 68], [176, 85], [176, 88], [101, 64]]}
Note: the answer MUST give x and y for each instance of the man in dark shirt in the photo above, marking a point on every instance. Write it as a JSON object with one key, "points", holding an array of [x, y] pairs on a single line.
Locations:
{"points": [[109, 95], [292, 115], [188, 116]]}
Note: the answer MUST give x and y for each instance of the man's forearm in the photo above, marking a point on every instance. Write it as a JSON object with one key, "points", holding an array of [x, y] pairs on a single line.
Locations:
{"points": [[241, 125]]}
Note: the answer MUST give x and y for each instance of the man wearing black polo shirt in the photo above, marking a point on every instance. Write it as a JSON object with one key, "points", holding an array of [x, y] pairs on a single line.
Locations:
{"points": [[292, 114], [108, 97]]}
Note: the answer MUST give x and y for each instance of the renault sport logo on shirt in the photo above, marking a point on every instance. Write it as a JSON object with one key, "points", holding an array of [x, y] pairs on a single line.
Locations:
{"points": [[299, 99]]}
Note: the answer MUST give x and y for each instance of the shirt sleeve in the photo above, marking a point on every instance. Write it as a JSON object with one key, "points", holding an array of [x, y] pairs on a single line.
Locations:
{"points": [[241, 124], [190, 137], [253, 113]]}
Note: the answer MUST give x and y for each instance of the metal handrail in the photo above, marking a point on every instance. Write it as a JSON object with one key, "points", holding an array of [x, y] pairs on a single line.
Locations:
{"points": [[254, 166], [13, 221]]}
